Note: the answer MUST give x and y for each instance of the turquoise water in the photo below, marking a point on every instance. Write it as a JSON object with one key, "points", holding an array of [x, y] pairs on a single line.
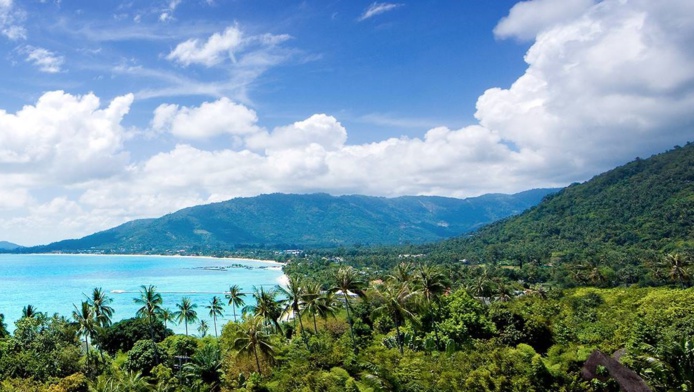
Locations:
{"points": [[53, 283]]}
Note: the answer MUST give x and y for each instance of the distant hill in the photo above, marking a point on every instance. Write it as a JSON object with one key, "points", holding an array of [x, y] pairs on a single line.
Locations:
{"points": [[4, 245], [634, 212], [313, 220]]}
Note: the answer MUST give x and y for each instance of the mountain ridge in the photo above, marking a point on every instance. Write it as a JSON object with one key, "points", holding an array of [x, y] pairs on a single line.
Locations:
{"points": [[309, 220], [6, 245]]}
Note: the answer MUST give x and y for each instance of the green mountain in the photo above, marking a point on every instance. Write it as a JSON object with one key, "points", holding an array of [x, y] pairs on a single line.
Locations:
{"points": [[314, 220], [4, 245], [634, 212]]}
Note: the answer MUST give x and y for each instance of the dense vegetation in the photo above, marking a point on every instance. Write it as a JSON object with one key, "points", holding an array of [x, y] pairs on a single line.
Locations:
{"points": [[413, 330], [280, 221]]}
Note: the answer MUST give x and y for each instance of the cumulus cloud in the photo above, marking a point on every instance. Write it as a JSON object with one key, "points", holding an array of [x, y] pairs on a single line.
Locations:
{"points": [[220, 47], [221, 117], [62, 140], [528, 18], [44, 59], [377, 9], [601, 87], [320, 129]]}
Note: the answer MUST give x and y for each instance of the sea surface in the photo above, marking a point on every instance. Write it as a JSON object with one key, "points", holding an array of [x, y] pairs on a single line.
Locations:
{"points": [[55, 283]]}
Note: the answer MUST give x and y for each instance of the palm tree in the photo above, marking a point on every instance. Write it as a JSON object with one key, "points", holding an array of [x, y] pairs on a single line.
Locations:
{"points": [[166, 315], [101, 310], [432, 284], [266, 307], [99, 303], [186, 312], [203, 328], [293, 301], [216, 309], [403, 272], [678, 267], [151, 302], [397, 300], [84, 317], [253, 339], [235, 297], [205, 366], [347, 280], [29, 311]]}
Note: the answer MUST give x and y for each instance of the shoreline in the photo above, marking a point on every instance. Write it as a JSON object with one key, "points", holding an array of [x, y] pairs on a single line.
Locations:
{"points": [[150, 255]]}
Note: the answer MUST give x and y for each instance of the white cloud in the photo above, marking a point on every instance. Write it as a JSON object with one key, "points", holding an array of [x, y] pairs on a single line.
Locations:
{"points": [[221, 117], [601, 89], [63, 140], [11, 20], [320, 129], [234, 46], [377, 9], [528, 18], [217, 48], [167, 14], [44, 59]]}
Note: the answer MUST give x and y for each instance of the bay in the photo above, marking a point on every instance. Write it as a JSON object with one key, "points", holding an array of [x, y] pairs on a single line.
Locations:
{"points": [[55, 283]]}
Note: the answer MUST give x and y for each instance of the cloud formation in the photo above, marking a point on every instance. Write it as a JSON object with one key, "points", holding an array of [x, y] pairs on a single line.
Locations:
{"points": [[228, 45], [377, 9], [11, 20], [603, 85], [528, 18], [43, 59]]}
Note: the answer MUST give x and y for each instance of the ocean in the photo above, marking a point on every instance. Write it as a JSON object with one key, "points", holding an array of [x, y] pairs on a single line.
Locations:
{"points": [[54, 283]]}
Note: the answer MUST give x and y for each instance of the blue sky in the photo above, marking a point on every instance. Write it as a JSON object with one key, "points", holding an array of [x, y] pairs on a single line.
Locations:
{"points": [[117, 110]]}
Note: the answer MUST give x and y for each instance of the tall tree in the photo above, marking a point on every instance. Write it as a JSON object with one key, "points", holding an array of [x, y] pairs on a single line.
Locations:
{"points": [[166, 315], [235, 298], [253, 339], [99, 302], [266, 306], [317, 303], [346, 280], [397, 300], [84, 317], [203, 328], [29, 311], [151, 302], [293, 300], [678, 268], [404, 272], [432, 283], [216, 308], [186, 312]]}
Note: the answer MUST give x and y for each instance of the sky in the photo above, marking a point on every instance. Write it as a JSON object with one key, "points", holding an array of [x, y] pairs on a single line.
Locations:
{"points": [[118, 110]]}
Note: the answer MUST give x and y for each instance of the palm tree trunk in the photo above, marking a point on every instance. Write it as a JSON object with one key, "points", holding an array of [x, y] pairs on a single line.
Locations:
{"points": [[151, 334], [215, 326], [351, 328], [315, 326], [186, 323], [257, 362], [397, 331], [233, 310], [301, 324]]}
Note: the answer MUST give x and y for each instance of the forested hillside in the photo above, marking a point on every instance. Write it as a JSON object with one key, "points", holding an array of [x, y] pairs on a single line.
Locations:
{"points": [[643, 208], [289, 221]]}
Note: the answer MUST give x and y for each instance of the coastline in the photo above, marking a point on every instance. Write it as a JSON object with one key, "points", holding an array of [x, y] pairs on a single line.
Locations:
{"points": [[162, 256]]}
